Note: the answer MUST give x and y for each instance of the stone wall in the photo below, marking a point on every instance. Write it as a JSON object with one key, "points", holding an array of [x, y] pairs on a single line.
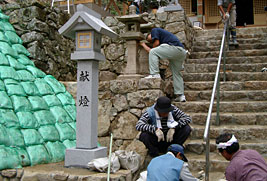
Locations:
{"points": [[37, 25], [121, 102]]}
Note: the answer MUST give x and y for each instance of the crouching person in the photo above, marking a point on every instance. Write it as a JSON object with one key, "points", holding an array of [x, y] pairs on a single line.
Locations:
{"points": [[161, 125], [170, 166]]}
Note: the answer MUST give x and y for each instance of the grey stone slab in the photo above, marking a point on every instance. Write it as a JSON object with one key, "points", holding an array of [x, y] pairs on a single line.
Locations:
{"points": [[76, 157]]}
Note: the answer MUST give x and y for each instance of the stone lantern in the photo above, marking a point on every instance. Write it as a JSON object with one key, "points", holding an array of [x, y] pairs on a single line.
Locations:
{"points": [[86, 27], [132, 36]]}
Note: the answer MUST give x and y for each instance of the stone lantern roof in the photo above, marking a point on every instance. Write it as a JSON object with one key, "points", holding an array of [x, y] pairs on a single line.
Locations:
{"points": [[85, 19]]}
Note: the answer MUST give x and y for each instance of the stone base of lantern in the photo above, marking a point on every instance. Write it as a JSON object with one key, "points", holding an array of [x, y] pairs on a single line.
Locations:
{"points": [[75, 157]]}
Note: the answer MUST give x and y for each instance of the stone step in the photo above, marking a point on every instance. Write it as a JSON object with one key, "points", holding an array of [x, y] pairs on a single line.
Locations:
{"points": [[229, 60], [197, 162], [207, 48], [249, 31], [247, 95], [230, 53], [239, 36], [230, 76], [240, 41], [195, 68], [244, 118], [198, 146], [227, 86], [242, 132], [217, 163], [225, 107]]}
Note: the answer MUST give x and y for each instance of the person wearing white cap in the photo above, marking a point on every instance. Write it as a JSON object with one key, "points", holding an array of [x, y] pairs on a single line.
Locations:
{"points": [[245, 165], [171, 166], [161, 125]]}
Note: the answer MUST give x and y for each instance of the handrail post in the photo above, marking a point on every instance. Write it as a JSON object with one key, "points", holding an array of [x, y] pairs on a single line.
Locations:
{"points": [[217, 122], [207, 169]]}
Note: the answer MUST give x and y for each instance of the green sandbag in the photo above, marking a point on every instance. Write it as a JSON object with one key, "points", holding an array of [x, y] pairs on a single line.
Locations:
{"points": [[15, 64], [9, 158], [3, 37], [2, 86], [35, 71], [25, 75], [25, 60], [14, 88], [4, 17], [69, 144], [3, 135], [5, 101], [44, 117], [27, 120], [24, 157], [6, 26], [60, 114], [21, 104], [66, 98], [38, 103], [9, 118], [32, 137], [55, 84], [73, 125], [52, 100], [3, 59], [65, 131], [15, 137], [71, 110], [49, 133], [38, 154], [30, 88], [56, 151], [20, 49], [8, 73], [13, 37], [43, 87], [6, 49]]}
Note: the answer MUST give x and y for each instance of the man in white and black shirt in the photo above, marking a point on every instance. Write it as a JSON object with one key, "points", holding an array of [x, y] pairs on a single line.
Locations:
{"points": [[161, 125]]}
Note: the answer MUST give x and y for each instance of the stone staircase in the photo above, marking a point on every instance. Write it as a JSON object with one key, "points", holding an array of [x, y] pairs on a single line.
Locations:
{"points": [[243, 97]]}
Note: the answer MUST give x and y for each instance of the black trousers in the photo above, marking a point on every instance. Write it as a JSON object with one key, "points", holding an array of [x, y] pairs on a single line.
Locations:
{"points": [[154, 147]]}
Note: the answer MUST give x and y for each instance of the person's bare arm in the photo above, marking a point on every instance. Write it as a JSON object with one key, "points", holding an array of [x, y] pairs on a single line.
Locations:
{"points": [[222, 11], [229, 7], [144, 45], [156, 43]]}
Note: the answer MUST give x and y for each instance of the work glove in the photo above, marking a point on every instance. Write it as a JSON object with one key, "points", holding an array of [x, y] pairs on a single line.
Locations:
{"points": [[227, 15], [170, 134], [160, 135]]}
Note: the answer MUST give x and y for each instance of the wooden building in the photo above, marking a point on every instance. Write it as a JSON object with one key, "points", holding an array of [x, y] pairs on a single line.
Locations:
{"points": [[249, 12]]}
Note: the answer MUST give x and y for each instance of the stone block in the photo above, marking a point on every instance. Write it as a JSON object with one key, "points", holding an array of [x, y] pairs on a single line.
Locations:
{"points": [[143, 98], [123, 86], [144, 84], [124, 126], [9, 173]]}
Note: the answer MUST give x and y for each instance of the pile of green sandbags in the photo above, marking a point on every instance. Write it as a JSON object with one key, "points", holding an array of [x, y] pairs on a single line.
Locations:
{"points": [[37, 114]]}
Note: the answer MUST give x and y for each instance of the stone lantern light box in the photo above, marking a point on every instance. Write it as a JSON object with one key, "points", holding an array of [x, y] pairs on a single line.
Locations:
{"points": [[87, 28]]}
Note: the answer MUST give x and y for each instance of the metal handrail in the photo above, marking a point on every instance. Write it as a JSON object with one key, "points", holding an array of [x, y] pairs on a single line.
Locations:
{"points": [[216, 87]]}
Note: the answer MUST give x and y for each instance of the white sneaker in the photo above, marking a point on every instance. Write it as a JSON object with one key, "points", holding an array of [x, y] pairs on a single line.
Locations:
{"points": [[180, 98], [153, 76]]}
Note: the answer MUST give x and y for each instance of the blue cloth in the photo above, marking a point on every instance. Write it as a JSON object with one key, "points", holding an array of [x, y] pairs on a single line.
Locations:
{"points": [[164, 168], [165, 37]]}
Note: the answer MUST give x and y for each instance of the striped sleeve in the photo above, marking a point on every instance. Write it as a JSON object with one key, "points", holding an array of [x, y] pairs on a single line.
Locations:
{"points": [[143, 124], [182, 118]]}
